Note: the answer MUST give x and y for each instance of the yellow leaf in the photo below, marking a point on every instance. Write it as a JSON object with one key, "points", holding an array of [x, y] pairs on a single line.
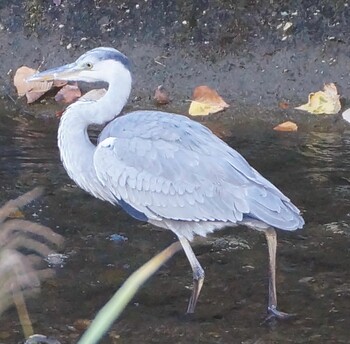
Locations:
{"points": [[323, 102], [206, 101], [202, 109], [286, 126]]}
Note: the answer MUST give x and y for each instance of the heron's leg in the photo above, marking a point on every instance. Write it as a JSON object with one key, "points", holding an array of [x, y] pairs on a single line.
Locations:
{"points": [[271, 238], [198, 274]]}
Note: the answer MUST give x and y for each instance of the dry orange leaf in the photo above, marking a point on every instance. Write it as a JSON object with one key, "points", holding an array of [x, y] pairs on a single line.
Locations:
{"points": [[206, 101], [323, 102], [286, 126], [68, 94], [32, 90]]}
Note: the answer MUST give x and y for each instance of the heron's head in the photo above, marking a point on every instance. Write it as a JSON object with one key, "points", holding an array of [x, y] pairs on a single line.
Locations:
{"points": [[99, 64]]}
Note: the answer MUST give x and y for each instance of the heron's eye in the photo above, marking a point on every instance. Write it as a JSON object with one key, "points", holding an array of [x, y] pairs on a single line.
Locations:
{"points": [[88, 65]]}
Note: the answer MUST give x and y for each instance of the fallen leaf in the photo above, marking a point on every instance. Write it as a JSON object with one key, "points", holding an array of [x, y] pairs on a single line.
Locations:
{"points": [[95, 94], [68, 94], [21, 75], [59, 83], [286, 126], [17, 214], [32, 90], [201, 109], [323, 102], [161, 96], [206, 101], [33, 96]]}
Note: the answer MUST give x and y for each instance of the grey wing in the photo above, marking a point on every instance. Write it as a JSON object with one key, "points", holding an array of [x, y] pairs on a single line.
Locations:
{"points": [[164, 166]]}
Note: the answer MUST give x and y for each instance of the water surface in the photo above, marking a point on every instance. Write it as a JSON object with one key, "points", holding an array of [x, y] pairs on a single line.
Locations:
{"points": [[313, 264]]}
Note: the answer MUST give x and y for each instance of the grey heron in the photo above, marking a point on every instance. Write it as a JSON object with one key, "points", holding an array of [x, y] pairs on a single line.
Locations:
{"points": [[164, 168]]}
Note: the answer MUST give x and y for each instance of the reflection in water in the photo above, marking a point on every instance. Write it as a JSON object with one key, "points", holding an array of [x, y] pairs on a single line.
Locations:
{"points": [[313, 274]]}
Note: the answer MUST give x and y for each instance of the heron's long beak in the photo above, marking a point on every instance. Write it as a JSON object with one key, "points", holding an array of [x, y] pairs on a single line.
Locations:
{"points": [[67, 72]]}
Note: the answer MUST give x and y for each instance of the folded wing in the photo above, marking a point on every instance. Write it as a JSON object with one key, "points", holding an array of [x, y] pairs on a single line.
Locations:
{"points": [[162, 166]]}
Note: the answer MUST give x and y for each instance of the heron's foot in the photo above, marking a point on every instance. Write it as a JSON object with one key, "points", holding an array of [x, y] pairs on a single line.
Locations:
{"points": [[274, 313], [197, 286]]}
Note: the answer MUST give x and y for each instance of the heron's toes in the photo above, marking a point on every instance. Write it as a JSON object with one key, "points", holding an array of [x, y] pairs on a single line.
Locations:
{"points": [[274, 313]]}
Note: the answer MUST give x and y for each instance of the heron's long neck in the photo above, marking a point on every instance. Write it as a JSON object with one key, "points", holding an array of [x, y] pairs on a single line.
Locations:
{"points": [[76, 149]]}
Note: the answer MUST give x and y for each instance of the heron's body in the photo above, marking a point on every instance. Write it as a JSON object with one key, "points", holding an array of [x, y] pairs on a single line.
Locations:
{"points": [[173, 172], [165, 168]]}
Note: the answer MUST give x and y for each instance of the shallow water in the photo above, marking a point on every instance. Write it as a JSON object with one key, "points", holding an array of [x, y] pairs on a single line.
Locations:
{"points": [[313, 264]]}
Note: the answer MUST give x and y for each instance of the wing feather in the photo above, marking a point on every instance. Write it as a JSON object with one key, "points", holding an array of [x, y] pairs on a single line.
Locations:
{"points": [[166, 166]]}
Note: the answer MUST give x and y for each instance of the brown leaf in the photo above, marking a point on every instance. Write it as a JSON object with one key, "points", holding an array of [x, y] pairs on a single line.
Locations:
{"points": [[32, 90], [68, 94], [286, 126], [161, 96], [206, 101], [33, 96], [59, 83]]}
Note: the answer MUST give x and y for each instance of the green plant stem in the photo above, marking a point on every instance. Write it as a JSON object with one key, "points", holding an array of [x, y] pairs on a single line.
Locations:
{"points": [[114, 307]]}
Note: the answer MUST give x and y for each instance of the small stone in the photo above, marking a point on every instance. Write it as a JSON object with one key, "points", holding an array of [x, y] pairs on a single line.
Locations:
{"points": [[56, 259], [82, 324], [287, 26], [305, 280], [161, 96], [117, 237]]}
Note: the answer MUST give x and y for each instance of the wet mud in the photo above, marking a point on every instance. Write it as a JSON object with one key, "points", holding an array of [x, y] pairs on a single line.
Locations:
{"points": [[255, 53]]}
